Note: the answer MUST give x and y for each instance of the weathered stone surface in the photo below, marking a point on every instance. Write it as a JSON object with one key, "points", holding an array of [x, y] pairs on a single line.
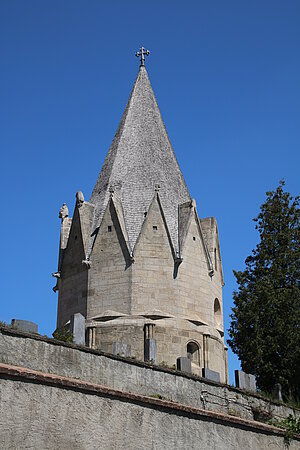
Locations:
{"points": [[40, 354], [245, 381], [24, 325], [122, 349], [37, 415], [77, 328], [210, 374], [150, 350]]}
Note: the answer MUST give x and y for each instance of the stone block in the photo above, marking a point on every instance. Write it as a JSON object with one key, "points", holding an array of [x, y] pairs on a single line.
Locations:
{"points": [[210, 374], [150, 350], [245, 381], [24, 325], [77, 328], [122, 349], [184, 364]]}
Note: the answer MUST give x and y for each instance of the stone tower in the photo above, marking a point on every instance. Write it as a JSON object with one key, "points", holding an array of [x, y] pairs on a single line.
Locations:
{"points": [[136, 260]]}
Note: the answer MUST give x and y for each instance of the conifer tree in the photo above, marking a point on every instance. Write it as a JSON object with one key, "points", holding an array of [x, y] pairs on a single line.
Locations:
{"points": [[265, 326]]}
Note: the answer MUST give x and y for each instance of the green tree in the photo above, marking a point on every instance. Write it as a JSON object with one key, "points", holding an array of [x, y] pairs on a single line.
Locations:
{"points": [[265, 326]]}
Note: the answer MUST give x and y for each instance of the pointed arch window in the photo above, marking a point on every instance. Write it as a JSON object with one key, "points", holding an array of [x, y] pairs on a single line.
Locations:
{"points": [[217, 313], [193, 352], [216, 260]]}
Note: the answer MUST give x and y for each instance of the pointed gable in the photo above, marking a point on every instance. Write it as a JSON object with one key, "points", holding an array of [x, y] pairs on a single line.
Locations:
{"points": [[141, 157]]}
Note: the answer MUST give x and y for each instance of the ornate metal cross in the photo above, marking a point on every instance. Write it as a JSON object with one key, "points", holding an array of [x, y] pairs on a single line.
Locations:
{"points": [[141, 54]]}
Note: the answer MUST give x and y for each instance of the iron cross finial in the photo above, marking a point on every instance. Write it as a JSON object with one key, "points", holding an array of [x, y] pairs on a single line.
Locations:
{"points": [[141, 54]]}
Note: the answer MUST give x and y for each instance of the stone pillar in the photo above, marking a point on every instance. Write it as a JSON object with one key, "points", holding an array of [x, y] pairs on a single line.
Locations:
{"points": [[226, 365], [205, 350], [149, 344], [92, 337]]}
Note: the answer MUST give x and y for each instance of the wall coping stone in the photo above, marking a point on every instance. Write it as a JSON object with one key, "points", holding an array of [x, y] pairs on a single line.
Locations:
{"points": [[38, 337], [18, 373]]}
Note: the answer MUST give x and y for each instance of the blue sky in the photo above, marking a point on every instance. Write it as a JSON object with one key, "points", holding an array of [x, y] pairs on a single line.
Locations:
{"points": [[226, 76]]}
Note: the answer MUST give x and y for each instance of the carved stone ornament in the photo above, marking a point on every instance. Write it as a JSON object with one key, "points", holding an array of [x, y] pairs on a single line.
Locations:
{"points": [[79, 199], [56, 274], [87, 263], [63, 212], [193, 203]]}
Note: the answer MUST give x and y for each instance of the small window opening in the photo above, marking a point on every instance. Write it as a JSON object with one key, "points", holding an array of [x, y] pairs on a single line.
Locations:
{"points": [[194, 238], [216, 261], [217, 313], [193, 354], [109, 228], [75, 238], [154, 227], [145, 214]]}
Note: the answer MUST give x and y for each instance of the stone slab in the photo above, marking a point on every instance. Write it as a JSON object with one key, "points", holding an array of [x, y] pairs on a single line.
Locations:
{"points": [[245, 381], [184, 364], [24, 325], [77, 328], [210, 374], [150, 350]]}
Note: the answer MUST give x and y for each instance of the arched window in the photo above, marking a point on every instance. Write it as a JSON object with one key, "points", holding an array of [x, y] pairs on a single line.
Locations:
{"points": [[217, 313], [193, 353]]}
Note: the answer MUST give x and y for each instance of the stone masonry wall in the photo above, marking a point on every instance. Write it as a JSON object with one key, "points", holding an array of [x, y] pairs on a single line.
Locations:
{"points": [[110, 272], [50, 356], [153, 286], [73, 284], [171, 336], [197, 290]]}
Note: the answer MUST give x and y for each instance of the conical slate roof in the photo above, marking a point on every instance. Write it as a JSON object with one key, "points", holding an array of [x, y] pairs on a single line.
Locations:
{"points": [[141, 157]]}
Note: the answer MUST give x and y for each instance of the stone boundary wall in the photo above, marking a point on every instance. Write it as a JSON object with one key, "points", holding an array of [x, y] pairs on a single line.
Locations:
{"points": [[68, 360], [41, 410]]}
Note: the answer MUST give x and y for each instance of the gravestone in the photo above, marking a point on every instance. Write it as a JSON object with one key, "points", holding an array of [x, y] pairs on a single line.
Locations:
{"points": [[278, 392], [210, 374], [150, 350], [184, 364], [77, 328], [24, 325], [245, 381], [122, 349]]}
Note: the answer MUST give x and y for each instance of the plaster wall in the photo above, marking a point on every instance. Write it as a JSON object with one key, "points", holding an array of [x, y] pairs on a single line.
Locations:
{"points": [[35, 415]]}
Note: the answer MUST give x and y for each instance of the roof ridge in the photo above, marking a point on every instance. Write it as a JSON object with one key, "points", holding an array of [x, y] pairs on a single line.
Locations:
{"points": [[120, 129]]}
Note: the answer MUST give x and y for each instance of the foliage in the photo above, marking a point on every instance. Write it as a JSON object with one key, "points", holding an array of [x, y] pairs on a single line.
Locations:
{"points": [[63, 334], [158, 396], [265, 326], [290, 424]]}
